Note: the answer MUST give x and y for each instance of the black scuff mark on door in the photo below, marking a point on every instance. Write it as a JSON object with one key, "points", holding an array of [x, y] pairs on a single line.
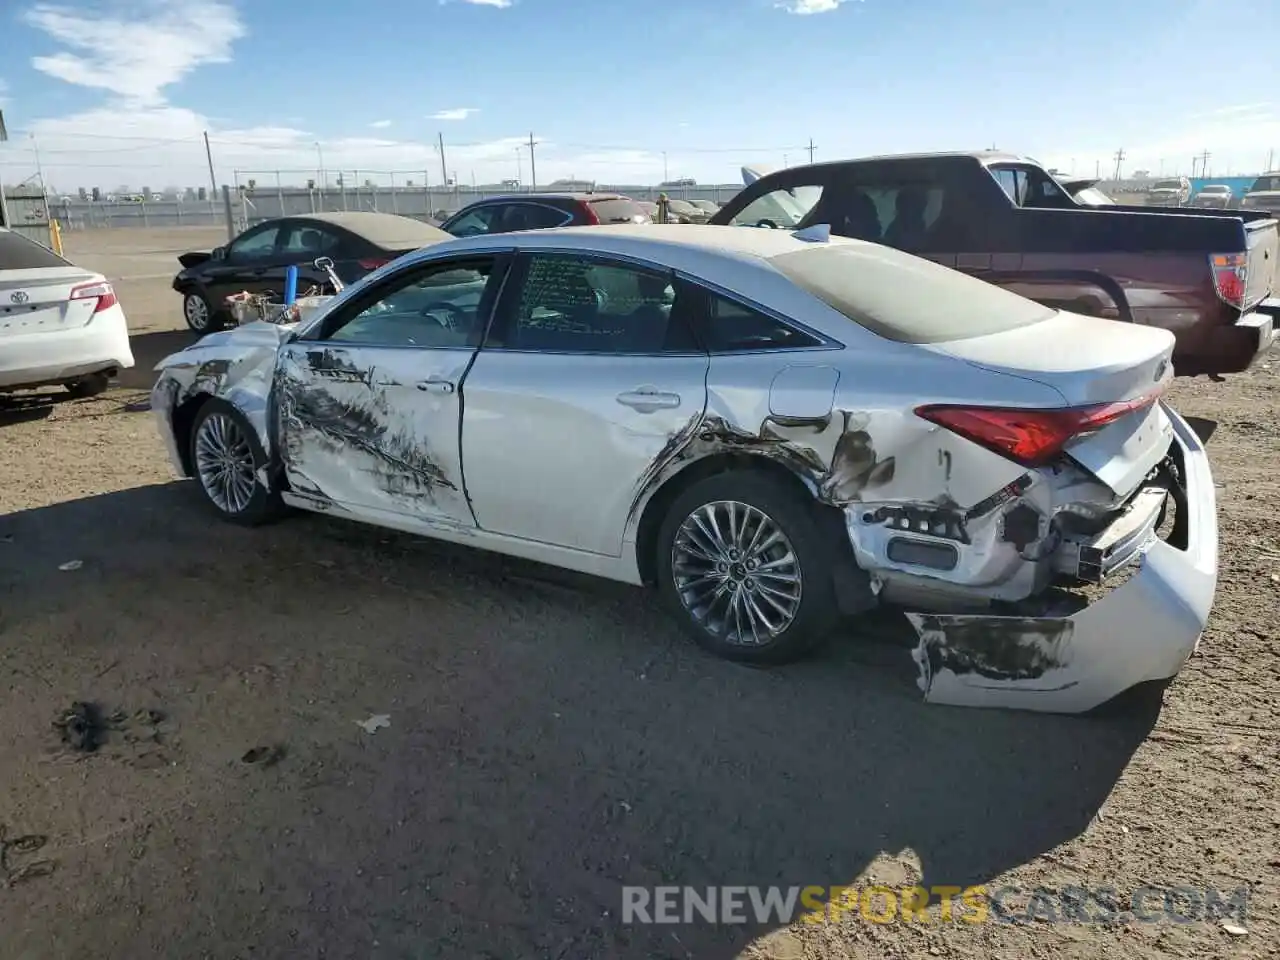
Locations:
{"points": [[1001, 649], [316, 413]]}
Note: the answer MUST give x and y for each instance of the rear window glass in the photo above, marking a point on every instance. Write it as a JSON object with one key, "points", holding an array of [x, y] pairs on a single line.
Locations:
{"points": [[905, 298], [1265, 184], [1167, 185], [617, 210], [19, 253]]}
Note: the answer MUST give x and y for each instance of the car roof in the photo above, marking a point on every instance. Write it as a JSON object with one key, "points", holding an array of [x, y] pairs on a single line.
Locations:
{"points": [[554, 195], [380, 229], [652, 241]]}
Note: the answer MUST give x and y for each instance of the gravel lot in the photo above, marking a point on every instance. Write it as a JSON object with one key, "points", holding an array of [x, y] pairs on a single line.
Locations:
{"points": [[551, 738]]}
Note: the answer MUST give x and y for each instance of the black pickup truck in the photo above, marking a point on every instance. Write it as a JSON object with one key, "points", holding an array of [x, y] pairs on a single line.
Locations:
{"points": [[1206, 275]]}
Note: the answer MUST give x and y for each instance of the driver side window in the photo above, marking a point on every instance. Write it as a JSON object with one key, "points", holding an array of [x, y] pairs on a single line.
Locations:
{"points": [[254, 246], [436, 305], [782, 209]]}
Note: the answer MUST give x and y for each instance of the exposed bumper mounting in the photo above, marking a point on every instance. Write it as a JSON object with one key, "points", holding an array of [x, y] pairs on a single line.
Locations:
{"points": [[1144, 629]]}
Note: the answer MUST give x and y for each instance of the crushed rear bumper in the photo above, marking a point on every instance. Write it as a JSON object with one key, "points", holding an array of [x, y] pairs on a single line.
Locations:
{"points": [[1144, 629]]}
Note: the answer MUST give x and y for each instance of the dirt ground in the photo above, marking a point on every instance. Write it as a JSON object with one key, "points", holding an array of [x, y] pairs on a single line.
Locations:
{"points": [[551, 738]]}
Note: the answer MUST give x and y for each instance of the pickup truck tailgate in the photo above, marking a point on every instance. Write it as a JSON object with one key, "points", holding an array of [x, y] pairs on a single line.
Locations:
{"points": [[1262, 238]]}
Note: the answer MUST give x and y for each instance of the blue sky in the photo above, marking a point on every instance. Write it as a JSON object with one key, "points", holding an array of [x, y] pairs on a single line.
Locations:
{"points": [[119, 92]]}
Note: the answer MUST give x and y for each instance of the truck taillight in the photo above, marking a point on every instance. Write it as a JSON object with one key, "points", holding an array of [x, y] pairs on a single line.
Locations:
{"points": [[104, 293], [589, 215], [1228, 276]]}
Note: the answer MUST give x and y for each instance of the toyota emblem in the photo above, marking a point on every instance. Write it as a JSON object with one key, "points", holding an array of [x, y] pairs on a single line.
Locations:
{"points": [[19, 297]]}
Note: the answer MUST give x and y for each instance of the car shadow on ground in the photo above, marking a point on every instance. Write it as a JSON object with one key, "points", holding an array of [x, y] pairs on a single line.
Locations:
{"points": [[27, 407], [552, 739]]}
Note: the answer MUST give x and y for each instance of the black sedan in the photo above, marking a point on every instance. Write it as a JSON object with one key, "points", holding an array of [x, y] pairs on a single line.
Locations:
{"points": [[258, 259]]}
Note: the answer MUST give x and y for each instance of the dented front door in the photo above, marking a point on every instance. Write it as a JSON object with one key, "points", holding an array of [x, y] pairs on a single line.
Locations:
{"points": [[374, 429]]}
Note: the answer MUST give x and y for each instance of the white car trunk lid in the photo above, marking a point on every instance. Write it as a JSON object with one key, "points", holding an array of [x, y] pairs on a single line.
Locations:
{"points": [[38, 300], [1091, 362]]}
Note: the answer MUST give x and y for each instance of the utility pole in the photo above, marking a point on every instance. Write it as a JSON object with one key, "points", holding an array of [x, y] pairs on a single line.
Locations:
{"points": [[533, 165], [1204, 163], [1270, 156], [44, 188], [811, 148], [1194, 161], [213, 178], [444, 170], [1119, 158]]}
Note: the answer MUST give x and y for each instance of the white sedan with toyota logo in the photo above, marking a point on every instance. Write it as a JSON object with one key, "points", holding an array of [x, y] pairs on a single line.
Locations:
{"points": [[59, 323]]}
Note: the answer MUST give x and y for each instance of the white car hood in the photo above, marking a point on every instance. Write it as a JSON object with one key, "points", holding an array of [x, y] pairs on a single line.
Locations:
{"points": [[236, 345]]}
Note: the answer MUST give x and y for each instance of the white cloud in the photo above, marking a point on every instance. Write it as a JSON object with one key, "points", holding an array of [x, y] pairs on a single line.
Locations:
{"points": [[136, 57], [135, 135], [457, 113], [500, 4], [804, 8]]}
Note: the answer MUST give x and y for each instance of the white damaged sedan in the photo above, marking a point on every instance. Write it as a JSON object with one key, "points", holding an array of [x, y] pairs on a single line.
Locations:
{"points": [[774, 428]]}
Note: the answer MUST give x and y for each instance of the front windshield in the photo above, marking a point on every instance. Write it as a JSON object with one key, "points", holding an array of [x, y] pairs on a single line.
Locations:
{"points": [[1167, 185], [782, 208], [1265, 183], [1216, 188]]}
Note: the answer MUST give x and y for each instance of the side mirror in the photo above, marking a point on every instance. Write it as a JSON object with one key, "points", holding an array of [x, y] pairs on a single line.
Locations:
{"points": [[219, 253]]}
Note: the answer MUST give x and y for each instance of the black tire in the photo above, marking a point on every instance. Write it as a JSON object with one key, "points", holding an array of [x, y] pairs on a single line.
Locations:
{"points": [[262, 506], [195, 305], [90, 386], [816, 610]]}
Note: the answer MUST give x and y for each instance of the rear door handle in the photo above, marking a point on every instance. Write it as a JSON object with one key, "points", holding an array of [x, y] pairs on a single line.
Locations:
{"points": [[435, 385], [648, 399]]}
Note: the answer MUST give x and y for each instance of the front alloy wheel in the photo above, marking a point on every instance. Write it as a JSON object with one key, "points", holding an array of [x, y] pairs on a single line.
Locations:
{"points": [[224, 463], [737, 573], [226, 459]]}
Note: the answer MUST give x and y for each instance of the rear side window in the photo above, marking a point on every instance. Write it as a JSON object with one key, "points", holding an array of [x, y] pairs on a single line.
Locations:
{"points": [[1265, 184], [726, 326], [19, 253], [617, 210], [906, 298]]}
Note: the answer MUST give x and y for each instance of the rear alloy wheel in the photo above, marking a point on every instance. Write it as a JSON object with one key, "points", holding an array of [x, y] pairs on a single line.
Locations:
{"points": [[198, 314], [742, 563], [89, 386], [226, 458]]}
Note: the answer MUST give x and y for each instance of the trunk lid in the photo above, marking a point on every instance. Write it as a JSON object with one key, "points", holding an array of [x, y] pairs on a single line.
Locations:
{"points": [[39, 300], [1262, 240], [1089, 361], [194, 258]]}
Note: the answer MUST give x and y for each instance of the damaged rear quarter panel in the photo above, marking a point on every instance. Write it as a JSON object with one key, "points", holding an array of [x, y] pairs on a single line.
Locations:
{"points": [[842, 422]]}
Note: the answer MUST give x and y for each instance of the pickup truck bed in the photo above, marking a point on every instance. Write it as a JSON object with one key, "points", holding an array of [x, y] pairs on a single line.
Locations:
{"points": [[1205, 275]]}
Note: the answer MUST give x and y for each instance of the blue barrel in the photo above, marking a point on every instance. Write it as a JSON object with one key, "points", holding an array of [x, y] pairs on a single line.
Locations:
{"points": [[290, 286]]}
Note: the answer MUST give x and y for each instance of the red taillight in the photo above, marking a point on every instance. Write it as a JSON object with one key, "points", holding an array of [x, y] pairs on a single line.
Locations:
{"points": [[104, 293], [1229, 275], [1030, 437], [589, 216], [372, 264]]}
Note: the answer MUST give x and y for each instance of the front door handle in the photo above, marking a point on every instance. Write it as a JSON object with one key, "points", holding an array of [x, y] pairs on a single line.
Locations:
{"points": [[648, 399], [435, 385]]}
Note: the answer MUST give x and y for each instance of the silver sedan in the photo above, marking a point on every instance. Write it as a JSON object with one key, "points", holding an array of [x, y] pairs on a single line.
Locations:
{"points": [[776, 428]]}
